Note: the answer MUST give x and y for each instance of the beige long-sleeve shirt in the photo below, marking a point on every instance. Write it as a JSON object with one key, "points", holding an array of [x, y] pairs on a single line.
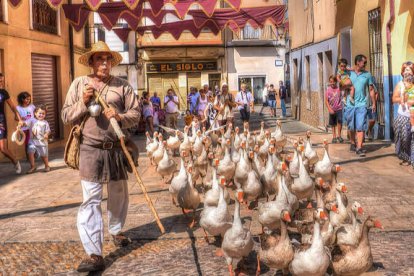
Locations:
{"points": [[99, 165]]}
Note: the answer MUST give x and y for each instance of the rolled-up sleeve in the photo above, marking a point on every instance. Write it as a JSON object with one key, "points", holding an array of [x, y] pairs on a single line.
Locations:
{"points": [[132, 112], [74, 108]]}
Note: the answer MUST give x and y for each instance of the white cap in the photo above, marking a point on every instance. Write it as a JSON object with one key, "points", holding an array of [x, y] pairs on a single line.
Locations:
{"points": [[224, 83], [205, 84]]}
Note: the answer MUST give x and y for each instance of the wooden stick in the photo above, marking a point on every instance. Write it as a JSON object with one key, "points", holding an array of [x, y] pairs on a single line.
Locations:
{"points": [[121, 137]]}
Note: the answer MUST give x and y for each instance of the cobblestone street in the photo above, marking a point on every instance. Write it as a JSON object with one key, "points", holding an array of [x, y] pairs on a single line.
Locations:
{"points": [[38, 234]]}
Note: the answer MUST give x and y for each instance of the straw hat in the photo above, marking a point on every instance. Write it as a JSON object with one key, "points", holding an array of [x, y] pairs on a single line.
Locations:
{"points": [[18, 137], [100, 47]]}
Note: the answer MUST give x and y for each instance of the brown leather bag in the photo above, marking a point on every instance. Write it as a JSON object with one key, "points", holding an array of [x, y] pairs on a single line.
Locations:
{"points": [[72, 148]]}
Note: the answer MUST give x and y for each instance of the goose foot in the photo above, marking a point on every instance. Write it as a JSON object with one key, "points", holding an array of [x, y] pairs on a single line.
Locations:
{"points": [[230, 267], [191, 225], [206, 237]]}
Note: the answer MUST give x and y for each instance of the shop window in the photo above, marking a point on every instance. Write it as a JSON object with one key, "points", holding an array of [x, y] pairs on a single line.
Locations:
{"points": [[44, 18]]}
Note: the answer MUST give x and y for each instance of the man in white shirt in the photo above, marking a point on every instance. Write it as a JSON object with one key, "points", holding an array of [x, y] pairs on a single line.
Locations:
{"points": [[171, 108], [244, 100]]}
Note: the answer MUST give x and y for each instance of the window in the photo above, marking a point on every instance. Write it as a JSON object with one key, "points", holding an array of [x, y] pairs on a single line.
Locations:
{"points": [[44, 18], [1, 10], [250, 33]]}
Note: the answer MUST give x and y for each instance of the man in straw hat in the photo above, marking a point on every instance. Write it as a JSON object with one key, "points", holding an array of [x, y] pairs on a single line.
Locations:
{"points": [[101, 156], [224, 104]]}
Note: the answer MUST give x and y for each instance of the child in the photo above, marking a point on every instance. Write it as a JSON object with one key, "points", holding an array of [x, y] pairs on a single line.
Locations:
{"points": [[333, 103], [409, 96], [39, 141], [345, 83], [188, 117], [25, 109]]}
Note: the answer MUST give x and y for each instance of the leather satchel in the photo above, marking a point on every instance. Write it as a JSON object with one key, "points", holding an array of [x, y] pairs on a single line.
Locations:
{"points": [[72, 147]]}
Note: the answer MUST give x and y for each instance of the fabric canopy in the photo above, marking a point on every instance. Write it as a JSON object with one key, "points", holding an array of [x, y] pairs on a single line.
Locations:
{"points": [[181, 6], [110, 13]]}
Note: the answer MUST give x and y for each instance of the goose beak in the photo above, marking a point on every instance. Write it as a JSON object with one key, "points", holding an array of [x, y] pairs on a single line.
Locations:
{"points": [[335, 208], [323, 215], [377, 224], [284, 166], [240, 196], [251, 155], [309, 206], [216, 161], [286, 217], [360, 211], [223, 181], [289, 158], [338, 168], [344, 190], [302, 148]]}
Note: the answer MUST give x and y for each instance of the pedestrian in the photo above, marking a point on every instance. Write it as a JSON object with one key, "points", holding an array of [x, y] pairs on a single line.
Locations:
{"points": [[371, 115], [155, 100], [282, 97], [271, 95], [201, 104], [264, 98], [408, 98], [5, 98], [38, 144], [101, 156], [171, 105], [192, 100], [26, 111], [244, 100], [224, 104], [333, 101], [344, 78], [148, 111], [404, 139], [210, 114], [357, 113], [207, 89]]}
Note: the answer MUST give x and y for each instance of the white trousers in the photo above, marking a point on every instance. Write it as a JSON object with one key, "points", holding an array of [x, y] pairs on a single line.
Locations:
{"points": [[90, 222]]}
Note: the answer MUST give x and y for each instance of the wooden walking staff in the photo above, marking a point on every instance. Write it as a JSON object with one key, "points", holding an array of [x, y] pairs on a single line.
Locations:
{"points": [[121, 137]]}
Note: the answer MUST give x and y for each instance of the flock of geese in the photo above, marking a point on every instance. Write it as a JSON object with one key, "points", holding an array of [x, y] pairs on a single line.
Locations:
{"points": [[301, 193]]}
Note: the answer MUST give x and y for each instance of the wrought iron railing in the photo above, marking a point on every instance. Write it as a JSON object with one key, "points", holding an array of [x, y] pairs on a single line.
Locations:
{"points": [[44, 17], [249, 33]]}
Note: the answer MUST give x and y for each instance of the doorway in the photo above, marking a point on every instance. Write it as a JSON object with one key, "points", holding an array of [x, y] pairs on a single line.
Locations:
{"points": [[255, 84]]}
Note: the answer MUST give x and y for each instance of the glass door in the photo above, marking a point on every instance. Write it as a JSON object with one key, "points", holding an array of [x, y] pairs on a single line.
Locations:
{"points": [[258, 85]]}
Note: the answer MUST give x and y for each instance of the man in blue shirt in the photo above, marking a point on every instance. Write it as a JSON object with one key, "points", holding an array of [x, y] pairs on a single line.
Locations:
{"points": [[155, 100], [192, 100], [356, 113]]}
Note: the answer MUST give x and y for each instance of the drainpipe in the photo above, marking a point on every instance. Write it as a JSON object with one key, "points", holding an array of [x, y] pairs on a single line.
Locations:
{"points": [[388, 96], [71, 51]]}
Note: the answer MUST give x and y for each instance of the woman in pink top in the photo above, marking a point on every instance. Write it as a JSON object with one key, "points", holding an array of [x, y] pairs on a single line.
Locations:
{"points": [[201, 105], [334, 105]]}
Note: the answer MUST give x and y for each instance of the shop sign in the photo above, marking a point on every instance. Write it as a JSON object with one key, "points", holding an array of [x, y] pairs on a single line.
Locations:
{"points": [[182, 67]]}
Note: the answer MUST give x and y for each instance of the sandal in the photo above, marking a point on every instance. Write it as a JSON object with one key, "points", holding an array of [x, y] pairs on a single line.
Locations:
{"points": [[404, 163], [48, 169], [32, 170]]}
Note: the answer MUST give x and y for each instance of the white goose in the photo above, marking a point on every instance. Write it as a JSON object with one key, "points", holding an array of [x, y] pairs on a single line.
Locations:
{"points": [[180, 180], [350, 234], [188, 197], [166, 166], [315, 260], [211, 197], [237, 241], [216, 220], [280, 138], [309, 152], [226, 167]]}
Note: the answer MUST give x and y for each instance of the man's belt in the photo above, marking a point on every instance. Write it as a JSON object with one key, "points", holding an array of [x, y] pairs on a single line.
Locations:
{"points": [[106, 145]]}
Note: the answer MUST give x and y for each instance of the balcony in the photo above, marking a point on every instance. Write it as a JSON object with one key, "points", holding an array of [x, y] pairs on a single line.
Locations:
{"points": [[45, 19], [248, 36]]}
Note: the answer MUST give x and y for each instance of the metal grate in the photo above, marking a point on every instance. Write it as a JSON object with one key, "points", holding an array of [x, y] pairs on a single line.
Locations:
{"points": [[44, 17], [375, 58], [1, 10]]}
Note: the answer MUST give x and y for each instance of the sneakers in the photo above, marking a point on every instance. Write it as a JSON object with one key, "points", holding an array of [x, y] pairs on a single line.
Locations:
{"points": [[340, 140], [92, 263], [361, 152], [121, 240], [18, 168], [352, 148], [334, 141]]}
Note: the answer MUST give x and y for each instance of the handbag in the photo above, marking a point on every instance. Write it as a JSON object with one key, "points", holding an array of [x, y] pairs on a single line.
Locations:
{"points": [[72, 147]]}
